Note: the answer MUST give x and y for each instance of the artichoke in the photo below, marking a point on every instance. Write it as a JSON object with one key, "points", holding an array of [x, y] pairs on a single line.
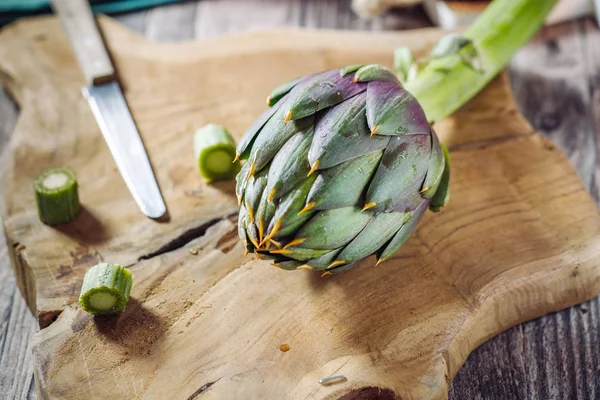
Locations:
{"points": [[342, 166]]}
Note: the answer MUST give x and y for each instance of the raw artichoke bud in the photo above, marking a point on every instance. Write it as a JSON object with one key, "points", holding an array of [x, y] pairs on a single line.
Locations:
{"points": [[342, 166], [456, 45]]}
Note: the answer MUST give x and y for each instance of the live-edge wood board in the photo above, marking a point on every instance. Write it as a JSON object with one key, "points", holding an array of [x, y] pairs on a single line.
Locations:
{"points": [[520, 237]]}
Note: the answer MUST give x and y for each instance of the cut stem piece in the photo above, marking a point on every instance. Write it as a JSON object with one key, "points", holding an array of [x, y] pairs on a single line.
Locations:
{"points": [[214, 148], [56, 196], [105, 289]]}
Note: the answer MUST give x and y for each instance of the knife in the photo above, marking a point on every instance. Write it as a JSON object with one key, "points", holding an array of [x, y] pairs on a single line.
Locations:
{"points": [[109, 106]]}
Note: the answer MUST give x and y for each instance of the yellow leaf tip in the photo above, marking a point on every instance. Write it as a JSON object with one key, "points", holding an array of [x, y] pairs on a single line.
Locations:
{"points": [[283, 252], [374, 130], [313, 168], [252, 171], [308, 207], [295, 242], [271, 195], [368, 206], [336, 263]]}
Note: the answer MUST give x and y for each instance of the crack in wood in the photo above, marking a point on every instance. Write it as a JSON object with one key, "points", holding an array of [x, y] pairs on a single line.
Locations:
{"points": [[371, 392], [202, 389], [186, 237], [47, 318]]}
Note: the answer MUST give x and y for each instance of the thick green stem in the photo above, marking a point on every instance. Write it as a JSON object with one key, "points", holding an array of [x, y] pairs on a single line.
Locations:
{"points": [[497, 34], [105, 289]]}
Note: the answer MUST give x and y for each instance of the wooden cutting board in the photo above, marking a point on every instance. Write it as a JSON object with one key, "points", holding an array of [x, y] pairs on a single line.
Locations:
{"points": [[520, 238]]}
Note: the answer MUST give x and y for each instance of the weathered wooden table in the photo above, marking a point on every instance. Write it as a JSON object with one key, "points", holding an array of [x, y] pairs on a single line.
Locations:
{"points": [[556, 82]]}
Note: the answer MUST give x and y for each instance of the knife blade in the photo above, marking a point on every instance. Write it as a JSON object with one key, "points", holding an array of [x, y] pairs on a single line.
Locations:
{"points": [[109, 106]]}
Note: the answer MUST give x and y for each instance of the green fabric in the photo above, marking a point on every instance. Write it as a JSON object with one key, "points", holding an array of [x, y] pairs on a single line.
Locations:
{"points": [[13, 9]]}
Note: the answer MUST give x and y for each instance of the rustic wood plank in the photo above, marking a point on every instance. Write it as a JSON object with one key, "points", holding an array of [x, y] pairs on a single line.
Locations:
{"points": [[558, 355], [135, 21], [17, 326], [553, 92], [553, 357], [171, 22], [218, 17], [591, 32], [336, 14]]}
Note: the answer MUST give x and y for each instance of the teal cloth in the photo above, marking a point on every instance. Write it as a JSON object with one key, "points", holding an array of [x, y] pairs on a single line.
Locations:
{"points": [[12, 9]]}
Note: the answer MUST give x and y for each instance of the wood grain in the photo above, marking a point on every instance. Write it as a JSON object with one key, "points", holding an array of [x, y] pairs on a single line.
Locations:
{"points": [[521, 363], [412, 327]]}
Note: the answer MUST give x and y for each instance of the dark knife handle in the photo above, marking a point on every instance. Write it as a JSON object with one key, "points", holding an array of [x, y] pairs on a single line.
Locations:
{"points": [[86, 40]]}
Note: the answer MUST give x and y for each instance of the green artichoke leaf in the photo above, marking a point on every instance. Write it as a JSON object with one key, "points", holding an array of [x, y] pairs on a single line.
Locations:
{"points": [[246, 142], [290, 165], [287, 216], [400, 174], [343, 185], [332, 229], [342, 268], [254, 190], [242, 221], [403, 233], [378, 231], [299, 253], [350, 68], [288, 265], [436, 168], [374, 72], [274, 135], [280, 91], [264, 214], [442, 194], [342, 134], [240, 181], [252, 233], [324, 261], [318, 92], [393, 111]]}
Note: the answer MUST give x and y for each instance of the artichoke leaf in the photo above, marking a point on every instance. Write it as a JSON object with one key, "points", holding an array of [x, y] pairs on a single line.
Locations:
{"points": [[342, 134], [290, 166], [332, 229], [378, 231], [400, 173], [343, 185], [319, 92], [403, 233], [393, 111]]}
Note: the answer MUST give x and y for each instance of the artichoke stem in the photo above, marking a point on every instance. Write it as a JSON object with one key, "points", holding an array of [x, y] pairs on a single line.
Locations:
{"points": [[504, 27]]}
